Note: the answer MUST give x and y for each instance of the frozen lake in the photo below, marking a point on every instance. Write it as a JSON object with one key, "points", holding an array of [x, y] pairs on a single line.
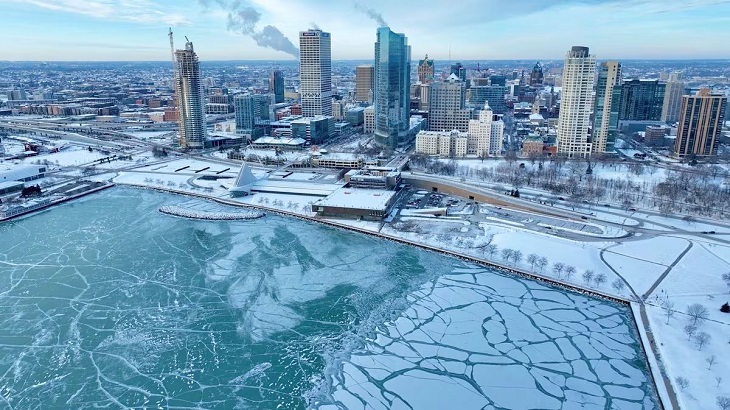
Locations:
{"points": [[106, 302]]}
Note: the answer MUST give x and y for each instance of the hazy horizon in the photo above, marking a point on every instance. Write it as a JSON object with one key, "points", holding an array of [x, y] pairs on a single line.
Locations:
{"points": [[468, 30]]}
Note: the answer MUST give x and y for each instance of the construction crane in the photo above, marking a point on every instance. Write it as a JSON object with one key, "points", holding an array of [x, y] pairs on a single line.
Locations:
{"points": [[172, 49]]}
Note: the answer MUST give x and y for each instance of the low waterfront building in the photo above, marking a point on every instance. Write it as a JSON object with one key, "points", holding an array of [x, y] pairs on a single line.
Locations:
{"points": [[23, 173], [356, 203]]}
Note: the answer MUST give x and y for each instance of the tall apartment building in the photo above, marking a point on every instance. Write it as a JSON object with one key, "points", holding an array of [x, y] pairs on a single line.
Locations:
{"points": [[252, 113], [364, 83], [446, 106], [606, 111], [641, 100], [392, 86], [576, 103], [700, 124], [191, 104], [425, 70], [276, 86], [672, 105], [315, 72]]}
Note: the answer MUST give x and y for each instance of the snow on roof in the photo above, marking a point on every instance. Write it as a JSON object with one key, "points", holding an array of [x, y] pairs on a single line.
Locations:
{"points": [[295, 187], [281, 141], [369, 199]]}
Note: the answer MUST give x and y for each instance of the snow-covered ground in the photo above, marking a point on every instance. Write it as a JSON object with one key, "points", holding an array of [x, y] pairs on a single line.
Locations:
{"points": [[640, 262]]}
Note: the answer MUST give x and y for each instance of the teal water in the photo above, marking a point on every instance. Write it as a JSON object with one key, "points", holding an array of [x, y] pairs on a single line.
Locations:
{"points": [[104, 302]]}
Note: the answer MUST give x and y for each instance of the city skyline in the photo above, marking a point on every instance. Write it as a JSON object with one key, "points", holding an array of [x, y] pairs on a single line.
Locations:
{"points": [[130, 30]]}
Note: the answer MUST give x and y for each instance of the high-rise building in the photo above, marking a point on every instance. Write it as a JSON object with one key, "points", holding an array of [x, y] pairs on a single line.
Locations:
{"points": [[425, 70], [446, 106], [276, 86], [493, 94], [189, 90], [459, 70], [700, 124], [315, 72], [252, 113], [392, 86], [672, 105], [479, 133], [536, 77], [606, 111], [576, 103], [364, 86], [642, 100]]}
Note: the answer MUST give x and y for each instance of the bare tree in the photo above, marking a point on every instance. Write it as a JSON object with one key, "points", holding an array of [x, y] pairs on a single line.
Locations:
{"points": [[541, 263], [726, 278], [532, 260], [723, 402], [507, 254], [569, 272], [618, 285], [690, 330], [588, 276], [558, 268], [682, 382], [718, 379], [702, 339], [668, 307], [517, 257], [697, 313], [710, 361], [600, 279], [490, 249]]}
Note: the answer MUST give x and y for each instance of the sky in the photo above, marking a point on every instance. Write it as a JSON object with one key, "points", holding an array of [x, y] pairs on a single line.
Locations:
{"points": [[136, 30]]}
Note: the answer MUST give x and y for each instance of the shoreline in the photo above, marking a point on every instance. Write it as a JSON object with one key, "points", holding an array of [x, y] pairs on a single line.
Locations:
{"points": [[58, 202], [648, 359]]}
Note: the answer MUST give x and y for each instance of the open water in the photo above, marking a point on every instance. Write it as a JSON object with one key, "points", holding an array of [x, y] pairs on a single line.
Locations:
{"points": [[105, 302]]}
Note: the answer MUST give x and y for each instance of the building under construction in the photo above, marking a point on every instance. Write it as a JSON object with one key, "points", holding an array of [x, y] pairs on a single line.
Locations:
{"points": [[189, 91]]}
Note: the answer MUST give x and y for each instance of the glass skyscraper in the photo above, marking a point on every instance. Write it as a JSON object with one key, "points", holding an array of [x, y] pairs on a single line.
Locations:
{"points": [[607, 105], [392, 86]]}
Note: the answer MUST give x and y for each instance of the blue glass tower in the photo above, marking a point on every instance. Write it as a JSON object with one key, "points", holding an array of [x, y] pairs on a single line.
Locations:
{"points": [[392, 86]]}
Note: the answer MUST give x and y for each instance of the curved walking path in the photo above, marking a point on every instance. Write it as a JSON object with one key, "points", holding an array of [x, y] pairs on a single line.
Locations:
{"points": [[646, 325]]}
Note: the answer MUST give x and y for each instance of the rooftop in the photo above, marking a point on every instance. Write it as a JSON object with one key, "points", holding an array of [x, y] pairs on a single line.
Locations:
{"points": [[369, 199]]}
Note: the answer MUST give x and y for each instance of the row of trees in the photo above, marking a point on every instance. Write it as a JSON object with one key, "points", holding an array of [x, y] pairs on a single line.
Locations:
{"points": [[698, 191]]}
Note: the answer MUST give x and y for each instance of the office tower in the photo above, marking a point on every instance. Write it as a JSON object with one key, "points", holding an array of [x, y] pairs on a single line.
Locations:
{"points": [[576, 103], [425, 70], [315, 73], [252, 114], [446, 106], [276, 86], [364, 86], [392, 86], [493, 94], [459, 70], [700, 124], [189, 90], [479, 133], [606, 111], [498, 80], [536, 76], [672, 105], [641, 100]]}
